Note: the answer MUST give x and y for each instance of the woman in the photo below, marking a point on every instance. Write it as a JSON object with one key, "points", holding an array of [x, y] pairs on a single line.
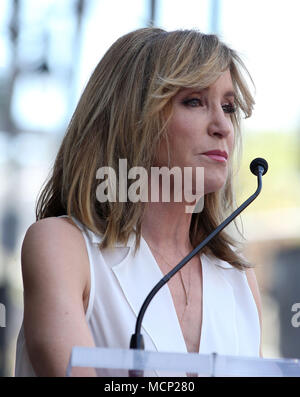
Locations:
{"points": [[155, 99]]}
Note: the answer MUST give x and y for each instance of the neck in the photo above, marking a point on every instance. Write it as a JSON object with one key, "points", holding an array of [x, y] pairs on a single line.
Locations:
{"points": [[166, 227]]}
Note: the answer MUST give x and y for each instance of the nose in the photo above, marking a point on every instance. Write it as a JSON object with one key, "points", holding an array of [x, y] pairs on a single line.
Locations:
{"points": [[220, 124]]}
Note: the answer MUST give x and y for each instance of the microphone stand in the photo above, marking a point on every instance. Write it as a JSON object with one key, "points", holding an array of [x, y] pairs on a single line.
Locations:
{"points": [[137, 341]]}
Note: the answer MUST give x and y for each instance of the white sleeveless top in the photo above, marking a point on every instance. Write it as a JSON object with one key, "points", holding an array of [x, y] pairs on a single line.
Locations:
{"points": [[121, 281]]}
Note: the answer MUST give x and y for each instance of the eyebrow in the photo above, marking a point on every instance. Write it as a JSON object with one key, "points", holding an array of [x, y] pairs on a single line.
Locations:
{"points": [[228, 94]]}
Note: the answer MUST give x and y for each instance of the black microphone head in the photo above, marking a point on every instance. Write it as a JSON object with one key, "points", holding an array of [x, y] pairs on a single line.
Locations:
{"points": [[256, 163]]}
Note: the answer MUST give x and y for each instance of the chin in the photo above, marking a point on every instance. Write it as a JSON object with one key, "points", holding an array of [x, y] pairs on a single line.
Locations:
{"points": [[214, 185]]}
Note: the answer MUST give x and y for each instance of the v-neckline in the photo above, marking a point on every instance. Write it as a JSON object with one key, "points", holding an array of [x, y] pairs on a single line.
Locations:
{"points": [[172, 302]]}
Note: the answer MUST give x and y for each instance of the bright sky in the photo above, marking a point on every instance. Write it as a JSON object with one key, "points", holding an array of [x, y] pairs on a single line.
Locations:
{"points": [[264, 32], [267, 34]]}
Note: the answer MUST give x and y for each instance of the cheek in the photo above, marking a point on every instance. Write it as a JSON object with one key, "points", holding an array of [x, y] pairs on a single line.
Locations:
{"points": [[176, 132], [181, 131]]}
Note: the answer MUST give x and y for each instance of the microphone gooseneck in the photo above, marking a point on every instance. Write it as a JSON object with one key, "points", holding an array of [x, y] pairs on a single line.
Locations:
{"points": [[258, 167]]}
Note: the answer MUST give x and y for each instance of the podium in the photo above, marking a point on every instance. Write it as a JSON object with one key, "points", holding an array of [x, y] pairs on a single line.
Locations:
{"points": [[118, 362]]}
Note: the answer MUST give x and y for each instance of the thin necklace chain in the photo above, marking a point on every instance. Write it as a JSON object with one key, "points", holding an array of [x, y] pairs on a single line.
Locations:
{"points": [[186, 290]]}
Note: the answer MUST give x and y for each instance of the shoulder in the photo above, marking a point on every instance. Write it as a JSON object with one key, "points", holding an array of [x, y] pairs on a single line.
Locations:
{"points": [[52, 234], [46, 228], [54, 248]]}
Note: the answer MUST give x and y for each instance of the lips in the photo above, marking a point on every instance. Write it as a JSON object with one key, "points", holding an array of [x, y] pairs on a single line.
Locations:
{"points": [[217, 155]]}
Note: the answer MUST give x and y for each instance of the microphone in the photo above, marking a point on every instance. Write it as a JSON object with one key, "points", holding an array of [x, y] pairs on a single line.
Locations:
{"points": [[258, 167]]}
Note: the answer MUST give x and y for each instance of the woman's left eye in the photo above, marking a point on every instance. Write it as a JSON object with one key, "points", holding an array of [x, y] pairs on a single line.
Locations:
{"points": [[229, 108]]}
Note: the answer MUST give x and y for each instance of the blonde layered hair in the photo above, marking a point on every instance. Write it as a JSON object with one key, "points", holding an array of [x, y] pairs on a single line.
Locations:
{"points": [[123, 113]]}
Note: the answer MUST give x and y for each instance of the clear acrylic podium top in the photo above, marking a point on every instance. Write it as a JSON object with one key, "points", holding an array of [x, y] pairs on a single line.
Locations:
{"points": [[117, 362]]}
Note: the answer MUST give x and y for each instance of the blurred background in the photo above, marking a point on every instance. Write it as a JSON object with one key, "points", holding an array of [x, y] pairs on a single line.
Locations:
{"points": [[48, 50]]}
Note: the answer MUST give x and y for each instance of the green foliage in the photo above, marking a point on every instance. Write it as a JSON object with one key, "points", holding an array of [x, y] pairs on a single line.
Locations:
{"points": [[281, 184]]}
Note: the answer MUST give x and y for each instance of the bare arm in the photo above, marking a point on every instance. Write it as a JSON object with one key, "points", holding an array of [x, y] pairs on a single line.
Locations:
{"points": [[55, 272], [251, 277]]}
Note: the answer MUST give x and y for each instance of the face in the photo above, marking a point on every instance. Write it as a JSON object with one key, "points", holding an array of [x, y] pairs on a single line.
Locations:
{"points": [[201, 132]]}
